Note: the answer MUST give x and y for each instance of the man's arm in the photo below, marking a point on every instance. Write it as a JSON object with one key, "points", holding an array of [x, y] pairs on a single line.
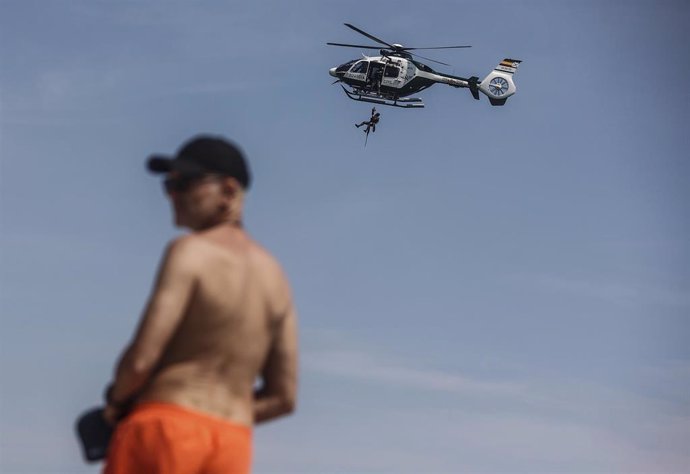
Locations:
{"points": [[167, 304], [277, 396]]}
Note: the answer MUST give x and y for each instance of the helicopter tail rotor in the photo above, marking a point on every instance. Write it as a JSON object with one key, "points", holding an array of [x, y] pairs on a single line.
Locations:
{"points": [[498, 85]]}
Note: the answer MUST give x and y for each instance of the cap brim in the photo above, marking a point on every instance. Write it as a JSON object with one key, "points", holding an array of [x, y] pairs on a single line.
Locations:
{"points": [[165, 164], [159, 164]]}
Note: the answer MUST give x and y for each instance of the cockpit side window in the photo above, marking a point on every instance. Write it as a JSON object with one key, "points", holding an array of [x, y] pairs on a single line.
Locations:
{"points": [[360, 67], [391, 71]]}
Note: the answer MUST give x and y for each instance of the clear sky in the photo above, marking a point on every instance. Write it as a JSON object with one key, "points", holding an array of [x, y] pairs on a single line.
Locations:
{"points": [[481, 289]]}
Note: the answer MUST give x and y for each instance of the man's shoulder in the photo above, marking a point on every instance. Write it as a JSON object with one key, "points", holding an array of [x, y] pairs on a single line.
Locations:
{"points": [[185, 251], [193, 242], [266, 259], [184, 244], [269, 265], [195, 245]]}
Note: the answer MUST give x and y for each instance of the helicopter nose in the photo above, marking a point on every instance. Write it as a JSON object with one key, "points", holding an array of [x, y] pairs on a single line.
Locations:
{"points": [[331, 71]]}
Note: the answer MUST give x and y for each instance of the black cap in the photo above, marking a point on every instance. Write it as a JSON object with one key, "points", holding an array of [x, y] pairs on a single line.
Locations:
{"points": [[205, 154]]}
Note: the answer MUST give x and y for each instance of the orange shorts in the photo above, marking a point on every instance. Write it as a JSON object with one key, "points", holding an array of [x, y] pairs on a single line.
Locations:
{"points": [[163, 438]]}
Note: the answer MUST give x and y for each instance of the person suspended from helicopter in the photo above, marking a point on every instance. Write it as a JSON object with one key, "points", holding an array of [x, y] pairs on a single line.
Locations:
{"points": [[371, 123]]}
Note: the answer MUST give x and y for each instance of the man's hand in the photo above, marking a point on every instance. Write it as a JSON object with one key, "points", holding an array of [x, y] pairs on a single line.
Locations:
{"points": [[112, 414], [114, 411]]}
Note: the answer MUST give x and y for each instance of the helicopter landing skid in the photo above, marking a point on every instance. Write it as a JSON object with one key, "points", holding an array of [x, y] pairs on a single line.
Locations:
{"points": [[406, 102]]}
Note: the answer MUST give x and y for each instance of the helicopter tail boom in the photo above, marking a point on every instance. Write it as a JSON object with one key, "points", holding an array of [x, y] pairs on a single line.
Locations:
{"points": [[498, 85]]}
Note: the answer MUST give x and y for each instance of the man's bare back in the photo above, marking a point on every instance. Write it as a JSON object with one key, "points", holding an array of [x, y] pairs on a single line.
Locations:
{"points": [[220, 319], [239, 302]]}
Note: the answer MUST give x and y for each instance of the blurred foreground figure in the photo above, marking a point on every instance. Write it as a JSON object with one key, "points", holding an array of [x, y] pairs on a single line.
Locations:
{"points": [[220, 316]]}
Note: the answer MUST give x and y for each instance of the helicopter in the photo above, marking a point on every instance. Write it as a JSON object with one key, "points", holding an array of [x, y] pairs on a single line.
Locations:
{"points": [[390, 78]]}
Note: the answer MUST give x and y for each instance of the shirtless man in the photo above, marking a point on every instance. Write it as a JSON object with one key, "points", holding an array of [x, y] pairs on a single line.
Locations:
{"points": [[220, 317]]}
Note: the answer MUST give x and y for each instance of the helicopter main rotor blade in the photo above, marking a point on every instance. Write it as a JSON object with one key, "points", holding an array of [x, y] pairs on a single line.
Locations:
{"points": [[429, 59], [439, 47], [354, 45], [372, 37]]}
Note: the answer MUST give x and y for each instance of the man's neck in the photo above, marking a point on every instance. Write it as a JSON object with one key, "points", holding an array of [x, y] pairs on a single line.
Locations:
{"points": [[233, 223]]}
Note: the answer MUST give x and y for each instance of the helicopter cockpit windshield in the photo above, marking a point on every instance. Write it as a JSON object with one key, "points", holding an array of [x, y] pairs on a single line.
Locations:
{"points": [[360, 68], [345, 67]]}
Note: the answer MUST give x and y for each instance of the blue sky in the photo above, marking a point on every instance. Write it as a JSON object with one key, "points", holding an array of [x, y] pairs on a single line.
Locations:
{"points": [[481, 289]]}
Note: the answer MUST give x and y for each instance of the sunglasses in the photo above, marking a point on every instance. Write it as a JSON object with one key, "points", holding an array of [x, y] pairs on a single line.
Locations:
{"points": [[183, 182]]}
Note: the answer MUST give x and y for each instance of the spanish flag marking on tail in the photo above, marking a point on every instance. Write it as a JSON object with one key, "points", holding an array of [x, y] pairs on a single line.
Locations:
{"points": [[508, 65], [510, 62]]}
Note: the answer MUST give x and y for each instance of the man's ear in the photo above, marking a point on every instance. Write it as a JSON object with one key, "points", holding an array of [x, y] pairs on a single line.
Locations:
{"points": [[230, 186]]}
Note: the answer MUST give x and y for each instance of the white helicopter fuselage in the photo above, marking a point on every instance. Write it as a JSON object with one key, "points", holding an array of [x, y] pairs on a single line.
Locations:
{"points": [[391, 76], [384, 79]]}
